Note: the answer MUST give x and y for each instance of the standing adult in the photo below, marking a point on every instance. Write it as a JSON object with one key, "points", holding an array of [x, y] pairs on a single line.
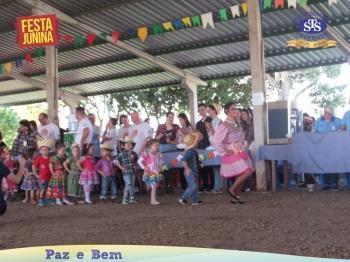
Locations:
{"points": [[25, 140], [124, 128], [235, 162], [247, 126], [85, 130], [96, 133], [214, 111], [110, 135], [345, 123], [48, 130], [206, 174]]}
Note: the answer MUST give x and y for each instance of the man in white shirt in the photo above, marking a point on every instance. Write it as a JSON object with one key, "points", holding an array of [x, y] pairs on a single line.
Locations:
{"points": [[48, 130], [110, 135], [96, 134], [140, 131], [85, 130]]}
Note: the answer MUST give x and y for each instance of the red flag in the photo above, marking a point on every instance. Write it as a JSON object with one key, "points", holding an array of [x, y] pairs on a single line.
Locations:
{"points": [[211, 155], [279, 3], [68, 38], [174, 162], [115, 36], [90, 39], [28, 58]]}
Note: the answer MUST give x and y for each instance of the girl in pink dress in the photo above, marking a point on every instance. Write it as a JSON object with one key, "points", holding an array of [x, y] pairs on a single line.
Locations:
{"points": [[235, 160], [151, 162], [9, 187], [88, 177]]}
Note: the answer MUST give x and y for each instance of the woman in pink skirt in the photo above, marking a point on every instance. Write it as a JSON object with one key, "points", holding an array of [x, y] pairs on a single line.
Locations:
{"points": [[235, 160]]}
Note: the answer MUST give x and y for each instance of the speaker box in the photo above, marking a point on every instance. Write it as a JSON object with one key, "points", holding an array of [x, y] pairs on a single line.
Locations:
{"points": [[278, 122]]}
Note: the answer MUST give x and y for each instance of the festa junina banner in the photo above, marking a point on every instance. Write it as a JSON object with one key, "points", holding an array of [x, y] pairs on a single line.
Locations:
{"points": [[40, 30], [299, 43], [108, 253]]}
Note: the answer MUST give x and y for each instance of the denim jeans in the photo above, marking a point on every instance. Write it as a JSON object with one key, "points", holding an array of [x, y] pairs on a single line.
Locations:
{"points": [[108, 182], [129, 189], [217, 179], [192, 187]]}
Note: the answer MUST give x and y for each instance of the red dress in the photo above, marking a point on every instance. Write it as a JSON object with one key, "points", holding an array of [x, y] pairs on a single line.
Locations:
{"points": [[7, 184]]}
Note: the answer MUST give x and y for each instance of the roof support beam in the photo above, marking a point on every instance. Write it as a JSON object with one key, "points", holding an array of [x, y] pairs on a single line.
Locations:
{"points": [[155, 60]]}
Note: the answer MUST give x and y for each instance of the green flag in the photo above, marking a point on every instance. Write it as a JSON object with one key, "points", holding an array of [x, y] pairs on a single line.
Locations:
{"points": [[38, 53], [302, 2], [267, 4], [79, 41], [196, 20], [104, 36], [157, 29], [1, 69], [223, 15]]}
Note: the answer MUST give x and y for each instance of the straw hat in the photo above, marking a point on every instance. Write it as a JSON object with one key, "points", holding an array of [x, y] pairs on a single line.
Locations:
{"points": [[75, 145], [106, 147], [128, 139], [45, 143], [191, 139], [218, 108]]}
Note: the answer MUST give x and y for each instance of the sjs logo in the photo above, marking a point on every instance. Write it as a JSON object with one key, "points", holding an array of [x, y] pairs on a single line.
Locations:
{"points": [[312, 25]]}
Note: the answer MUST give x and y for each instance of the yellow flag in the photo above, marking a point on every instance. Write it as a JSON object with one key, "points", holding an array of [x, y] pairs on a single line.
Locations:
{"points": [[8, 67], [187, 21], [245, 8], [168, 26], [142, 33]]}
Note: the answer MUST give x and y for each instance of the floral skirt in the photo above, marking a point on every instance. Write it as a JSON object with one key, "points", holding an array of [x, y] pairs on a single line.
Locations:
{"points": [[9, 186], [152, 179], [88, 178], [57, 185], [74, 189], [30, 182], [233, 165]]}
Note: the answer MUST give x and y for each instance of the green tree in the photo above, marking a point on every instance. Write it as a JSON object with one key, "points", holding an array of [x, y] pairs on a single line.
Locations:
{"points": [[9, 120]]}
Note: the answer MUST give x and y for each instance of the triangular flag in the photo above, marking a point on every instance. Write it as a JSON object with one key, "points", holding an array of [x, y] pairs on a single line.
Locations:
{"points": [[79, 41], [302, 2], [279, 3], [330, 2], [68, 38], [131, 31], [187, 21], [19, 62], [28, 58], [168, 26], [235, 11], [115, 36], [1, 69], [207, 19], [8, 67], [223, 15], [157, 29], [90, 39], [292, 3], [196, 20], [245, 8], [178, 24], [38, 53], [267, 4], [103, 35], [142, 33]]}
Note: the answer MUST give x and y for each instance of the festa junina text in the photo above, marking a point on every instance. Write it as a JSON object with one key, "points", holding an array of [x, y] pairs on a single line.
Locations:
{"points": [[37, 31]]}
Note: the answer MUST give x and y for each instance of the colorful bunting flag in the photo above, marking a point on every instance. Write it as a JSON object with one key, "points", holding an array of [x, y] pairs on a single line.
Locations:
{"points": [[142, 33], [79, 41], [174, 162], [90, 39], [267, 4], [279, 3], [235, 11], [245, 8], [223, 15], [8, 67], [292, 3], [28, 58], [187, 21], [211, 155], [157, 29], [207, 19], [68, 38], [302, 2], [1, 69], [196, 20], [178, 24], [330, 2], [115, 36], [168, 26], [38, 53], [19, 62], [104, 35], [131, 31]]}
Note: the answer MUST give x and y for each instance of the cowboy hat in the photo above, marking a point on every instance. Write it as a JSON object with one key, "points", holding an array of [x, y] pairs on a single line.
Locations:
{"points": [[128, 139], [45, 143], [191, 139], [106, 147]]}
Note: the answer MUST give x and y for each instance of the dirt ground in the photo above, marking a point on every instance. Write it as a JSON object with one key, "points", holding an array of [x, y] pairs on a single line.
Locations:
{"points": [[296, 222]]}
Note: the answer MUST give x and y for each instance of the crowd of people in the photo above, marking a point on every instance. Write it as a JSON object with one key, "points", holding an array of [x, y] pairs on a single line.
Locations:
{"points": [[120, 158]]}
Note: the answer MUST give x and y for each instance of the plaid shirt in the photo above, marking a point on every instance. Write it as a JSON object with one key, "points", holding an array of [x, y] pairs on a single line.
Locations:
{"points": [[23, 143], [128, 160]]}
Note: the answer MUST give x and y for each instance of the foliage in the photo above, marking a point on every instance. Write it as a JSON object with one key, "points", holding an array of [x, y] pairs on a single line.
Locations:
{"points": [[9, 120]]}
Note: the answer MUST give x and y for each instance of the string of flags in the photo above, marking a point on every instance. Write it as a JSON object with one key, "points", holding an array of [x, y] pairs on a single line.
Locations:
{"points": [[206, 20]]}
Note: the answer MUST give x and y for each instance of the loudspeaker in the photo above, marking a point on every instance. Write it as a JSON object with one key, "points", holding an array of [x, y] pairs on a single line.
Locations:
{"points": [[278, 122]]}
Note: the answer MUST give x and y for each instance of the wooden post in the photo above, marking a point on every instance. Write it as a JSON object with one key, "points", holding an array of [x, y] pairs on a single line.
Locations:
{"points": [[52, 82], [257, 61], [191, 89]]}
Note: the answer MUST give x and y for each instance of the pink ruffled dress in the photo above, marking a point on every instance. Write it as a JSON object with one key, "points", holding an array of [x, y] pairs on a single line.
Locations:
{"points": [[232, 164], [88, 176]]}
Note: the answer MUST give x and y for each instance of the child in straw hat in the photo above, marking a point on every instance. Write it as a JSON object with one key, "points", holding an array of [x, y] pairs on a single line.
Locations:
{"points": [[41, 169], [190, 162], [105, 168]]}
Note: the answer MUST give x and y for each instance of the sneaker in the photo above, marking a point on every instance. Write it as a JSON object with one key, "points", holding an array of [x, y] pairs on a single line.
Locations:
{"points": [[67, 202], [197, 203], [155, 203], [59, 202], [41, 203], [89, 202], [81, 202], [103, 198], [216, 192], [182, 201], [113, 197], [49, 202], [132, 201], [125, 202], [24, 201]]}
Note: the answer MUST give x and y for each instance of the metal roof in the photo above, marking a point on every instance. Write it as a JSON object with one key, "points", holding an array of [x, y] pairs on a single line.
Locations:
{"points": [[210, 53]]}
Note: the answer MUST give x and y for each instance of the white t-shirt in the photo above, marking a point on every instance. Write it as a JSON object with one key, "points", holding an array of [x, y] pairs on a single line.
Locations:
{"points": [[49, 131], [84, 123], [112, 134], [122, 132], [139, 133]]}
